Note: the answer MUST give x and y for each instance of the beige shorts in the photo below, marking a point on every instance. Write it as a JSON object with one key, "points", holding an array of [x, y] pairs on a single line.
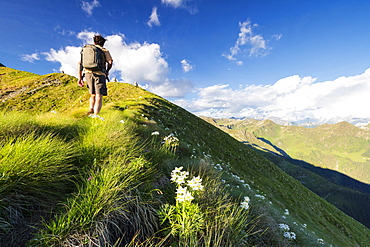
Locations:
{"points": [[96, 84]]}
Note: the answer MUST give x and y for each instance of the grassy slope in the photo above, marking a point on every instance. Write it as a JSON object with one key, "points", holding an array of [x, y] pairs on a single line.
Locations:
{"points": [[246, 172]]}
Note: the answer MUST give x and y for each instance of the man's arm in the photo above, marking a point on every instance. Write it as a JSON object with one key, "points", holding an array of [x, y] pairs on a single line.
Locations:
{"points": [[80, 75], [109, 66]]}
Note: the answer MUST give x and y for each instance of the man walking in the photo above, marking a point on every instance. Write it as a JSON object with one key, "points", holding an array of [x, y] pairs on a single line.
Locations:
{"points": [[96, 77]]}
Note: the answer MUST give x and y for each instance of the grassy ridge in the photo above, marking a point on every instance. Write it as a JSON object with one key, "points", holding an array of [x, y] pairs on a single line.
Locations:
{"points": [[117, 178], [341, 147]]}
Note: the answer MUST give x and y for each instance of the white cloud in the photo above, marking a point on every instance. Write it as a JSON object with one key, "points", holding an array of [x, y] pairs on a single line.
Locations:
{"points": [[188, 5], [171, 88], [256, 43], [143, 63], [89, 6], [30, 57], [292, 98], [137, 62], [63, 31], [68, 57], [173, 3], [186, 66], [154, 19], [86, 36]]}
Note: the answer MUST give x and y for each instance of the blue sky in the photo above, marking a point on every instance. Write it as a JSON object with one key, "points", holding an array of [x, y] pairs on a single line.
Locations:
{"points": [[296, 60]]}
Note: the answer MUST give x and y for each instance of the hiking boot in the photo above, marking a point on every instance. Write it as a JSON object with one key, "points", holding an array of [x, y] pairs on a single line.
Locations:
{"points": [[91, 111]]}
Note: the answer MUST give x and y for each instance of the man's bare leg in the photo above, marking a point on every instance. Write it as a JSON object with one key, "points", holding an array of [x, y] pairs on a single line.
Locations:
{"points": [[92, 103], [98, 103]]}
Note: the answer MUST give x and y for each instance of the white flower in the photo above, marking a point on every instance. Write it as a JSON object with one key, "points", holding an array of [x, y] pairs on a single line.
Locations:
{"points": [[260, 196], [286, 212], [171, 139], [155, 133], [245, 203], [183, 194], [177, 169], [181, 190], [290, 235], [196, 183], [285, 227], [188, 196], [122, 121], [179, 176], [180, 198], [179, 180]]}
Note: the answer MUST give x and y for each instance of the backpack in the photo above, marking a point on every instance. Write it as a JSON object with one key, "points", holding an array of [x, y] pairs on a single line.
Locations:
{"points": [[93, 58]]}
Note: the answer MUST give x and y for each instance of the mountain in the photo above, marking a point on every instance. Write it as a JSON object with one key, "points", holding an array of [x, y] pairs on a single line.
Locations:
{"points": [[302, 153], [341, 147], [70, 180]]}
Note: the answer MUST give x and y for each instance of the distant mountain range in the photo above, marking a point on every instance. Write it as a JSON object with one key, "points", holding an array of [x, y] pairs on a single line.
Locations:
{"points": [[309, 123], [341, 147]]}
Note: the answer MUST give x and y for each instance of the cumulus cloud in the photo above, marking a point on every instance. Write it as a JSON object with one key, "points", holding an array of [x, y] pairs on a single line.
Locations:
{"points": [[292, 98], [89, 6], [30, 57], [171, 88], [132, 62], [154, 19], [86, 36], [186, 66], [256, 43], [68, 58]]}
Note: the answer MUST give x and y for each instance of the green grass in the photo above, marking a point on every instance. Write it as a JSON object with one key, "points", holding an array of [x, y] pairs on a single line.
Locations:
{"points": [[112, 177]]}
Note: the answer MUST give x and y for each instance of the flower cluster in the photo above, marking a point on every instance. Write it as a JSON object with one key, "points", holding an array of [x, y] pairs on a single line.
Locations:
{"points": [[320, 241], [260, 196], [195, 183], [170, 143], [245, 204], [182, 194], [171, 140], [185, 219], [179, 177], [286, 229], [290, 235]]}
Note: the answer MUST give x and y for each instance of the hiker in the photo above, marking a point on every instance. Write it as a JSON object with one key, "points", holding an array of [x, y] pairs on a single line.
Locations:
{"points": [[95, 77]]}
